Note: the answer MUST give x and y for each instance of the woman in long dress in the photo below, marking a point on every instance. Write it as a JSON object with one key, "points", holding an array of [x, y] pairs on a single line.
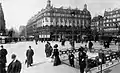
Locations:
{"points": [[56, 56]]}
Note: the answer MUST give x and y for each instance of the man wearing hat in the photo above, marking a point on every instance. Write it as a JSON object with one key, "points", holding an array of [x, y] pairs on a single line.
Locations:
{"points": [[3, 61], [29, 55], [14, 66]]}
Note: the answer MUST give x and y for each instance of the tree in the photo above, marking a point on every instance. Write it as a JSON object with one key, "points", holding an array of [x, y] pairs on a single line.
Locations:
{"points": [[11, 32]]}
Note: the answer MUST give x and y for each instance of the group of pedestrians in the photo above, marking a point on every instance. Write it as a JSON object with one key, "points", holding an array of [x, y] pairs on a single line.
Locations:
{"points": [[48, 49], [13, 67], [82, 57], [53, 53]]}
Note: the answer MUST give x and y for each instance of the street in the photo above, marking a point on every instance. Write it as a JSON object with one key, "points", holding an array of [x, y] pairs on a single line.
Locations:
{"points": [[41, 63]]}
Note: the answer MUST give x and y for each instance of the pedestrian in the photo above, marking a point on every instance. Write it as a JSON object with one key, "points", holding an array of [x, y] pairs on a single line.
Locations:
{"points": [[36, 41], [47, 47], [105, 45], [50, 50], [15, 66], [82, 59], [86, 49], [29, 55], [90, 45], [71, 59], [3, 53], [63, 42], [115, 41], [55, 55]]}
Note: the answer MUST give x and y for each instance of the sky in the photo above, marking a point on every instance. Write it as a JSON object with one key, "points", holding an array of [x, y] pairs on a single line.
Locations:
{"points": [[18, 12]]}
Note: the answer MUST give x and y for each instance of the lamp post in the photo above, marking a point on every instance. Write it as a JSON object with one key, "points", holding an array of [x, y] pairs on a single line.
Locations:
{"points": [[101, 59], [73, 44]]}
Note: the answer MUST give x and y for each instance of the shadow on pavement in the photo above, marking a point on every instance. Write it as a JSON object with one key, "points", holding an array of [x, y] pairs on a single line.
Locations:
{"points": [[67, 63], [36, 64], [107, 71]]}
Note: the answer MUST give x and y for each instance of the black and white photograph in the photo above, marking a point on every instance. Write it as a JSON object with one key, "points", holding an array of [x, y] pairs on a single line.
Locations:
{"points": [[59, 36]]}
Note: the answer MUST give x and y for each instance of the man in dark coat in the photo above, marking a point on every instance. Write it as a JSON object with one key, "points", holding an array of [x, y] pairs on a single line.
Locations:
{"points": [[14, 66], [90, 45], [71, 59], [29, 55], [82, 59], [48, 49], [3, 53]]}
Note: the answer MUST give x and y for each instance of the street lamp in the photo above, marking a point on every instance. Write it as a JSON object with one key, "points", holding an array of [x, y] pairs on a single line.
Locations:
{"points": [[101, 58], [73, 14]]}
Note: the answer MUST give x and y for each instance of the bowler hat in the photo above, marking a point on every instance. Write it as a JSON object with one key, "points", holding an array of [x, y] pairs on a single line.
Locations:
{"points": [[56, 45]]}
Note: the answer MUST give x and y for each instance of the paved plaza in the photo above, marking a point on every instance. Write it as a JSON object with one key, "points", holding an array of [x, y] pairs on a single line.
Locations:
{"points": [[41, 63]]}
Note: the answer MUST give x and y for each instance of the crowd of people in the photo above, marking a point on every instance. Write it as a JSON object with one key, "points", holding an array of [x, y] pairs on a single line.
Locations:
{"points": [[15, 65], [52, 52], [82, 56]]}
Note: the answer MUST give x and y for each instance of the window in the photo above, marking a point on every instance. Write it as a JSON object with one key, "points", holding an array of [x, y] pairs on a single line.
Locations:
{"points": [[116, 11], [61, 20], [51, 20], [46, 19], [107, 24], [107, 21], [114, 20], [69, 21], [77, 21]]}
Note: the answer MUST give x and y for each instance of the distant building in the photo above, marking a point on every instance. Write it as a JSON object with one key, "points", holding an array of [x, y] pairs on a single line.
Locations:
{"points": [[53, 22], [2, 22], [21, 28], [97, 23], [22, 31], [97, 26], [111, 22]]}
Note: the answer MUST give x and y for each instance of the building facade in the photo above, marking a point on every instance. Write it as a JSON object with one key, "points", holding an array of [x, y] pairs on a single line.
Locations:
{"points": [[97, 23], [97, 26], [111, 22], [53, 22], [2, 22]]}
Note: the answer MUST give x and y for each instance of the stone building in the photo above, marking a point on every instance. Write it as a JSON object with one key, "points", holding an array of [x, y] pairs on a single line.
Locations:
{"points": [[97, 26], [2, 21], [55, 23], [111, 22]]}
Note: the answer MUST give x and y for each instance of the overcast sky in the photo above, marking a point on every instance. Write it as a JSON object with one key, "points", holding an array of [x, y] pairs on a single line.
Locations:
{"points": [[18, 12]]}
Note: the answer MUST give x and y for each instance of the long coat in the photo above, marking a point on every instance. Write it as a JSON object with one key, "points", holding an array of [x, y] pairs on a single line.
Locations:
{"points": [[48, 50], [14, 67], [82, 62], [3, 55], [29, 55], [90, 45], [57, 60]]}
